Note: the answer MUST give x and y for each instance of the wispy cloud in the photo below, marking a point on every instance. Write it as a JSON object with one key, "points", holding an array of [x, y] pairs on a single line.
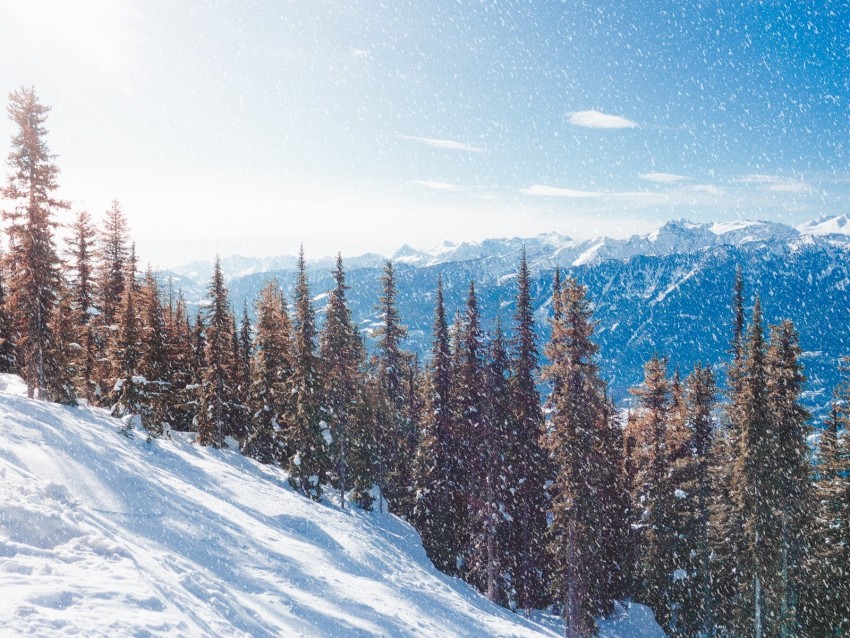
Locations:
{"points": [[447, 145], [663, 178], [434, 185], [541, 190], [776, 184], [359, 53], [597, 119]]}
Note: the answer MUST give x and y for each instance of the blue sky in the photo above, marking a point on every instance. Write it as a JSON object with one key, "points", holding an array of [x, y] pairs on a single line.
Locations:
{"points": [[249, 127]]}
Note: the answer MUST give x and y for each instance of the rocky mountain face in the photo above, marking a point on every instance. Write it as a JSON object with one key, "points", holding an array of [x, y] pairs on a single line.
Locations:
{"points": [[668, 291]]}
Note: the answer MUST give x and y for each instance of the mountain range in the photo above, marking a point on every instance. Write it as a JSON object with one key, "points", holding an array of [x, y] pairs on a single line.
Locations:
{"points": [[667, 291]]}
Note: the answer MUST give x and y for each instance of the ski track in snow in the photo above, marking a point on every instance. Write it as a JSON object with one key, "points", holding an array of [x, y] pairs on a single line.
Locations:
{"points": [[103, 535]]}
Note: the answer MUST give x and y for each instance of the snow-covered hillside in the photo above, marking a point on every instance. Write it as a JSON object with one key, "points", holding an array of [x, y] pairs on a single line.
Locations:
{"points": [[104, 535]]}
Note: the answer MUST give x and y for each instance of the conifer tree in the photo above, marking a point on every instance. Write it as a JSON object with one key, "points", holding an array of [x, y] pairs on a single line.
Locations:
{"points": [[270, 377], [125, 354], [339, 356], [306, 442], [114, 253], [823, 600], [31, 260], [578, 409], [488, 491], [433, 510], [701, 398], [651, 495], [60, 362], [81, 254], [157, 396], [8, 358], [752, 492], [217, 392], [394, 455], [526, 469], [790, 479], [181, 408]]}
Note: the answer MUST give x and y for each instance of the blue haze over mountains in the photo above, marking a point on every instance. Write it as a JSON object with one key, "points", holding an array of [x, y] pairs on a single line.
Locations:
{"points": [[668, 291]]}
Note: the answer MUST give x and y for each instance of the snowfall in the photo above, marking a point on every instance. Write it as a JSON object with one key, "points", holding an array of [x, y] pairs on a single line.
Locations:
{"points": [[102, 534]]}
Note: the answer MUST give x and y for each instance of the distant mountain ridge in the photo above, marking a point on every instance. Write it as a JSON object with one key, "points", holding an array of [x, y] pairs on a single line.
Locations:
{"points": [[667, 291]]}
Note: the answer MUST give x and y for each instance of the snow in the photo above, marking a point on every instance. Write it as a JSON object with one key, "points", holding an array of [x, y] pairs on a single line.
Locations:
{"points": [[104, 535]]}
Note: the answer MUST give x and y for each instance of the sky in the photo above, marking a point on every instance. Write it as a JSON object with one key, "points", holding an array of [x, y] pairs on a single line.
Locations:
{"points": [[358, 126]]}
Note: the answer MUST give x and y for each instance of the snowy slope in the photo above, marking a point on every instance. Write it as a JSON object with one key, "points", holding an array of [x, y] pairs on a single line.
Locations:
{"points": [[101, 535]]}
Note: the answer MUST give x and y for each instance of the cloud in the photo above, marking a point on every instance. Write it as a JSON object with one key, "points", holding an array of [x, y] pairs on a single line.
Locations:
{"points": [[776, 184], [437, 186], [540, 190], [447, 145], [597, 119], [663, 178], [359, 53]]}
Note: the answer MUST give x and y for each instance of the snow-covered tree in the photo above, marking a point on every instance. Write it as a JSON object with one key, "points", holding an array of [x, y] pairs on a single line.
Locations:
{"points": [[31, 262]]}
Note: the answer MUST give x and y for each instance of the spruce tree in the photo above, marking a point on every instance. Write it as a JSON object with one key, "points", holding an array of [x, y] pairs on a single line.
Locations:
{"points": [[114, 253], [80, 251], [651, 494], [31, 260], [305, 440], [789, 482], [157, 392], [394, 455], [577, 409], [125, 354], [60, 367], [434, 506], [181, 408], [270, 377], [823, 607], [8, 354], [217, 392], [339, 357], [526, 469]]}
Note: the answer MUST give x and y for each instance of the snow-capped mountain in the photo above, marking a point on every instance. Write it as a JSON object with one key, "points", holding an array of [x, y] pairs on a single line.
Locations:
{"points": [[104, 535], [668, 290]]}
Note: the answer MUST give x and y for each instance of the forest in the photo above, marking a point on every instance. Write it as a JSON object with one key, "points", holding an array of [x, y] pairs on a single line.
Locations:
{"points": [[714, 498]]}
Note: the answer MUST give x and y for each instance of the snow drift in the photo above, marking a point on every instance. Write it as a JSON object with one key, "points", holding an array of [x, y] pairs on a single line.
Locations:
{"points": [[104, 535]]}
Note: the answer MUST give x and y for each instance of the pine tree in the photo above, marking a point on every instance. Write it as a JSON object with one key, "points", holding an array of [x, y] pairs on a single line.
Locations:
{"points": [[526, 469], [433, 510], [270, 377], [31, 260], [217, 395], [578, 410], [308, 462]]}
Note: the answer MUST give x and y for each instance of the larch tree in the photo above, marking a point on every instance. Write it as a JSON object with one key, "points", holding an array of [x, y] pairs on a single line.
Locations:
{"points": [[31, 261], [157, 391]]}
